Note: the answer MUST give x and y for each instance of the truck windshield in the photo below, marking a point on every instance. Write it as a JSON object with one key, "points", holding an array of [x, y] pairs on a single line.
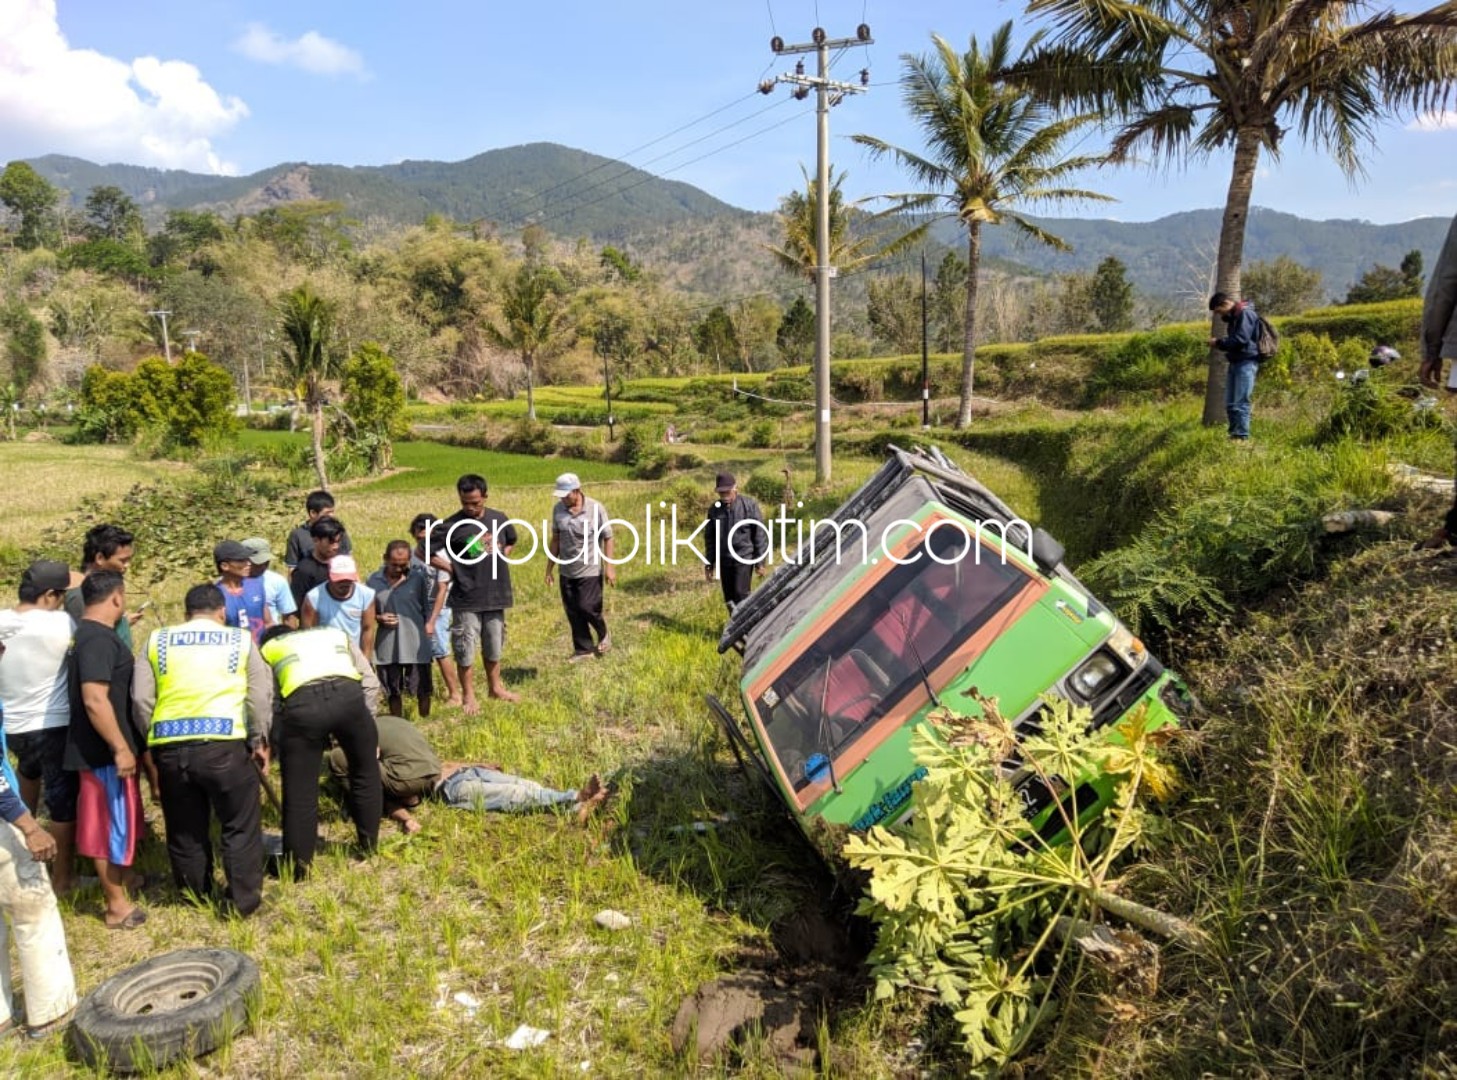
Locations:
{"points": [[862, 666]]}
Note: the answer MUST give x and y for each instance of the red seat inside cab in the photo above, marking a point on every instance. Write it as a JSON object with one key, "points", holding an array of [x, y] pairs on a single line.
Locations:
{"points": [[852, 693], [909, 616]]}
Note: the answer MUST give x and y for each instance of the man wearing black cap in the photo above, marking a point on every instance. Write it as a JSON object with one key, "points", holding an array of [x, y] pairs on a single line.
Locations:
{"points": [[35, 637], [246, 599], [738, 540]]}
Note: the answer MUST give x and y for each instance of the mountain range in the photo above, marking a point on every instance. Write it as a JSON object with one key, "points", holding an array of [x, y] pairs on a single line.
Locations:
{"points": [[686, 234]]}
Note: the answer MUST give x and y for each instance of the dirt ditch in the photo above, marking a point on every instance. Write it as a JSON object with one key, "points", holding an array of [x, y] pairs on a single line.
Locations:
{"points": [[778, 995]]}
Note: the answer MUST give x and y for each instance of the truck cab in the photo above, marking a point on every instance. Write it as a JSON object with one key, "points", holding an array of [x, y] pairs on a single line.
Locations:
{"points": [[924, 590]]}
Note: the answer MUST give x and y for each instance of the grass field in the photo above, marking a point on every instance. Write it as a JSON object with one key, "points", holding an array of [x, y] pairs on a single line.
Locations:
{"points": [[355, 960], [1314, 843]]}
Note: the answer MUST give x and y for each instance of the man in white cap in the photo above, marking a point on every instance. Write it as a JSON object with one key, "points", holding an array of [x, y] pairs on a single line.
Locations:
{"points": [[277, 596], [342, 602], [581, 544]]}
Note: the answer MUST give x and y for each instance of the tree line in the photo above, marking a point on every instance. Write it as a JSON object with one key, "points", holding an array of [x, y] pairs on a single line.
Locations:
{"points": [[464, 311]]}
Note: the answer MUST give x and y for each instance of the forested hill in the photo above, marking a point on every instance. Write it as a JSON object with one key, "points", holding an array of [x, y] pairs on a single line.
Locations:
{"points": [[568, 191], [1174, 254], [680, 229]]}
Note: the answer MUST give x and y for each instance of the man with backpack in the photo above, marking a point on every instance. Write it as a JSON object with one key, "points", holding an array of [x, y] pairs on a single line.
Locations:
{"points": [[1247, 341]]}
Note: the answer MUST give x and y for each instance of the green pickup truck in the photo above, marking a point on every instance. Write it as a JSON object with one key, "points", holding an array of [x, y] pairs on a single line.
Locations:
{"points": [[924, 589]]}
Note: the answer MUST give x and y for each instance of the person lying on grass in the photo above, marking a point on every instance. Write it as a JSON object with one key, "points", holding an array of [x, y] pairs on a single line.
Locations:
{"points": [[410, 771]]}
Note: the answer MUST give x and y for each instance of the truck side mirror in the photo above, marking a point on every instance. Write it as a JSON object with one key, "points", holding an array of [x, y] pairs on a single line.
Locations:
{"points": [[1047, 553]]}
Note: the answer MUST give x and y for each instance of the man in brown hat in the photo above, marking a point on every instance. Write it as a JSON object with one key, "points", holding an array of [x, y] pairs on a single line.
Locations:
{"points": [[737, 540]]}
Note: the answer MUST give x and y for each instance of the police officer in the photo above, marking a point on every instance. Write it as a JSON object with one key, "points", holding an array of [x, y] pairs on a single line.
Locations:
{"points": [[203, 694], [324, 685]]}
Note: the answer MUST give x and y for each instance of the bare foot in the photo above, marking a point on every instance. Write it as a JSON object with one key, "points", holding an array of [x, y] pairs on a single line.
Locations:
{"points": [[410, 826], [471, 707], [590, 798], [500, 693]]}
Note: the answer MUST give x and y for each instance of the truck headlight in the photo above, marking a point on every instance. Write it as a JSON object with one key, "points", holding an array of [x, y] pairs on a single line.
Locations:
{"points": [[1127, 647], [1098, 672]]}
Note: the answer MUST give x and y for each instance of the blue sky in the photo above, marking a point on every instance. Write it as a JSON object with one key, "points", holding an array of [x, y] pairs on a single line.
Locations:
{"points": [[239, 85]]}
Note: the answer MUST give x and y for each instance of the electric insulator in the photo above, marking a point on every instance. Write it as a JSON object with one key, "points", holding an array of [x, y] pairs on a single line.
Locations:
{"points": [[777, 44], [767, 86], [864, 76], [818, 36], [799, 67], [862, 32], [801, 93]]}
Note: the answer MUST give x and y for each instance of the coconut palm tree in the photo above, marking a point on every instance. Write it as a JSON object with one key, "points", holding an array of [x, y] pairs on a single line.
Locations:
{"points": [[1187, 79], [532, 322], [309, 357], [799, 220], [992, 150]]}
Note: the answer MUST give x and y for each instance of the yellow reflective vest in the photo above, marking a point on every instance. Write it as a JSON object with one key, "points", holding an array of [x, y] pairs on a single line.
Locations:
{"points": [[202, 682], [306, 656]]}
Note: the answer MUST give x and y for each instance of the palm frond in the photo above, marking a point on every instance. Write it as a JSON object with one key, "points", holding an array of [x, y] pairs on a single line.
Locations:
{"points": [[1037, 232], [1167, 132]]}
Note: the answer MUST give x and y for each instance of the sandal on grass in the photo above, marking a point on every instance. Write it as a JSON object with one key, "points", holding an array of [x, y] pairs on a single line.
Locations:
{"points": [[134, 918], [59, 1024]]}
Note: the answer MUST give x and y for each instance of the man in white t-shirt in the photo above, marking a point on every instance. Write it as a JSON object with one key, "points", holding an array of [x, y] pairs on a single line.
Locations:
{"points": [[343, 603], [35, 637]]}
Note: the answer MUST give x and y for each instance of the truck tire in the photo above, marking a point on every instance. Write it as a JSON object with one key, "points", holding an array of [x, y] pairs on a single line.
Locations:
{"points": [[181, 1004]]}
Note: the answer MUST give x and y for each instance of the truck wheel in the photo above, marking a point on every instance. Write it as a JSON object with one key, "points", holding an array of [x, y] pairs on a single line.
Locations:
{"points": [[181, 1004]]}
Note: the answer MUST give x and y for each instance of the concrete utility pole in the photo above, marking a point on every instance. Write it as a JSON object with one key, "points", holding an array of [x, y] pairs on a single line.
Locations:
{"points": [[192, 336], [828, 94], [166, 341]]}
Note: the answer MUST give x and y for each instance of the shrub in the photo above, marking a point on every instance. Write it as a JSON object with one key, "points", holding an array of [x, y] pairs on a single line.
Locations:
{"points": [[761, 435], [767, 487], [374, 407], [173, 407], [529, 437], [652, 463], [1395, 320], [1149, 367], [640, 439], [1367, 411]]}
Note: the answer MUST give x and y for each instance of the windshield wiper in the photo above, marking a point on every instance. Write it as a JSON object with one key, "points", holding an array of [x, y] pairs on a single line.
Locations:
{"points": [[920, 664]]}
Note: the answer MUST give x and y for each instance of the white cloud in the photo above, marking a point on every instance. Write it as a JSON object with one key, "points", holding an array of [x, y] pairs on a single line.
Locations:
{"points": [[1435, 121], [54, 98], [312, 52]]}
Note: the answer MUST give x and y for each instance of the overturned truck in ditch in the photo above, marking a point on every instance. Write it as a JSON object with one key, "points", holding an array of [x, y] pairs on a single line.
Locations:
{"points": [[924, 589]]}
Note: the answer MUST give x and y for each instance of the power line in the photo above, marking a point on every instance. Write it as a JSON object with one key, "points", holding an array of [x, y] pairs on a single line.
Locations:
{"points": [[508, 212], [666, 172], [627, 169]]}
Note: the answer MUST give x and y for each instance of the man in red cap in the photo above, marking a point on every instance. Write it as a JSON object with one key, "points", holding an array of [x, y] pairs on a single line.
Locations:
{"points": [[342, 602]]}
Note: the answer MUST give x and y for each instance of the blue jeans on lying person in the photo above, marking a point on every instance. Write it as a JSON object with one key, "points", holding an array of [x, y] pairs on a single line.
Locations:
{"points": [[476, 787]]}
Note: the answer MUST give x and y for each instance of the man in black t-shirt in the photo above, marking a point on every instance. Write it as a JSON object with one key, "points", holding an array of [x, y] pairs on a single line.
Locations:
{"points": [[480, 590], [318, 505], [104, 746], [313, 569]]}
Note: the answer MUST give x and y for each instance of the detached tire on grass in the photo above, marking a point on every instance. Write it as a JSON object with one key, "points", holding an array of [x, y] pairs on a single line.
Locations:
{"points": [[181, 1004]]}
